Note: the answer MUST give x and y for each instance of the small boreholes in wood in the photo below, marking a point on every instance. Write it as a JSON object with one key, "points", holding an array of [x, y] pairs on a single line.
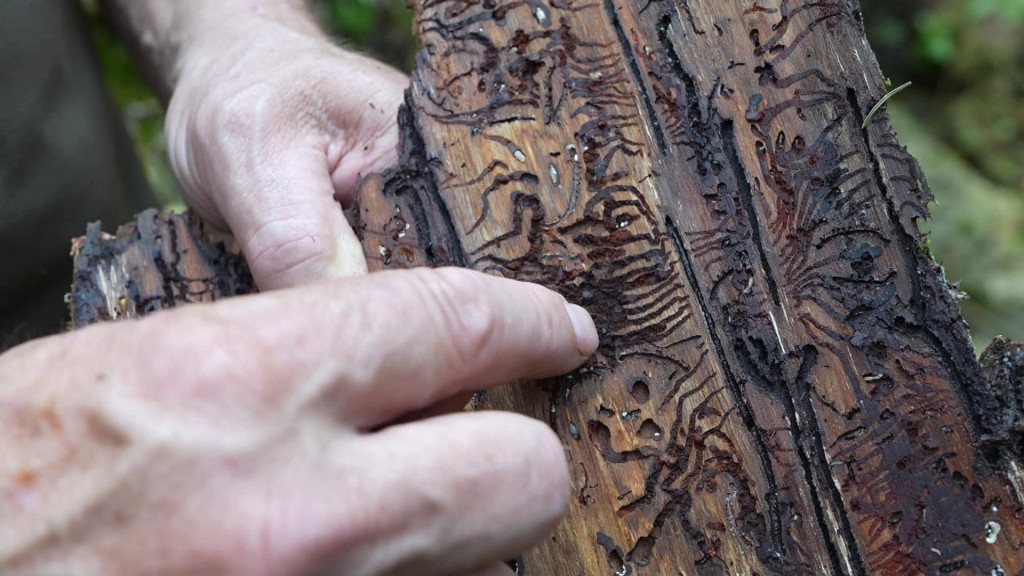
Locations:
{"points": [[649, 430], [616, 560], [755, 38], [600, 435], [628, 415], [640, 391], [616, 563], [852, 433], [992, 530], [542, 16], [766, 74], [950, 567], [754, 111], [798, 144], [605, 412], [882, 388], [517, 565], [643, 552]]}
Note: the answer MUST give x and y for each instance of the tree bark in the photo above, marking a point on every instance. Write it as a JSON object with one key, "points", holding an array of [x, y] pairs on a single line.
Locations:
{"points": [[784, 384], [154, 263]]}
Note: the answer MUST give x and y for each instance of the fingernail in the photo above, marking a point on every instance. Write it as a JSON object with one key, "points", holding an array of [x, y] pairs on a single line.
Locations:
{"points": [[349, 260], [583, 325]]}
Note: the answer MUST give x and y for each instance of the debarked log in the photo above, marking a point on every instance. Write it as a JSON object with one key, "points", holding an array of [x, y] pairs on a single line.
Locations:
{"points": [[784, 384]]}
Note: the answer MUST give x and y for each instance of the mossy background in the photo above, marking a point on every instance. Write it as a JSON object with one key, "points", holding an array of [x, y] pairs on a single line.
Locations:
{"points": [[963, 119]]}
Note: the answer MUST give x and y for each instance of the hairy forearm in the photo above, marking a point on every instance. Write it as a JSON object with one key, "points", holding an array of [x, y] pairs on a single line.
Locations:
{"points": [[166, 35]]}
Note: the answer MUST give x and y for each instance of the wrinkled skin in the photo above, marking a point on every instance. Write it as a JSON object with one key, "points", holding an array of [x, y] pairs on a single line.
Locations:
{"points": [[302, 430], [252, 436], [268, 129]]}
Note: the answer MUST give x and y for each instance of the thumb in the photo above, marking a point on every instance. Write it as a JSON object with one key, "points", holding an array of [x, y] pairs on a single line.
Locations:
{"points": [[290, 226], [280, 204], [251, 161]]}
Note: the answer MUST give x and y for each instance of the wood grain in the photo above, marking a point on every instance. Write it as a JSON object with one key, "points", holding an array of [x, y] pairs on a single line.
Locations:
{"points": [[784, 385]]}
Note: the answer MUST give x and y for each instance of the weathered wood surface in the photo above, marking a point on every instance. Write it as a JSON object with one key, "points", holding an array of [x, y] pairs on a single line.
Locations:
{"points": [[784, 384], [159, 261]]}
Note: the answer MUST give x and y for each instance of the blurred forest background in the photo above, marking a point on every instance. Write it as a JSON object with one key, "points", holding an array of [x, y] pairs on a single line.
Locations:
{"points": [[963, 118]]}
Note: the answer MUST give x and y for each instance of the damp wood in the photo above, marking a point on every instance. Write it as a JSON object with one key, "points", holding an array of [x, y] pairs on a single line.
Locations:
{"points": [[784, 385]]}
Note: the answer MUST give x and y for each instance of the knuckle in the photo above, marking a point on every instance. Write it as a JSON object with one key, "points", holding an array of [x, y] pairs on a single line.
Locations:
{"points": [[238, 129], [282, 246], [217, 138], [466, 313]]}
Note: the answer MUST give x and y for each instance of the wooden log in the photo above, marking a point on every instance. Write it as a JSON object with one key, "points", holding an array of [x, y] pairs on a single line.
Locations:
{"points": [[784, 384]]}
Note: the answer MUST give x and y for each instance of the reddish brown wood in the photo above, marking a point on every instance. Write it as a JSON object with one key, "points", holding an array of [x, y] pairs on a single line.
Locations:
{"points": [[784, 384]]}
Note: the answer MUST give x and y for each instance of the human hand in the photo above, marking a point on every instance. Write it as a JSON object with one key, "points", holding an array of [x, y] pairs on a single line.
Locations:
{"points": [[268, 129], [251, 436]]}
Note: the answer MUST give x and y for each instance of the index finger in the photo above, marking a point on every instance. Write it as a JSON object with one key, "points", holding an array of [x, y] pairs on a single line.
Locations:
{"points": [[417, 337], [373, 348]]}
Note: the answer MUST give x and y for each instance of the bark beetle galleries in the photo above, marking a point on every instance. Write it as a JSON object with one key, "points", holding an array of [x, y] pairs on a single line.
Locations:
{"points": [[784, 384], [773, 394]]}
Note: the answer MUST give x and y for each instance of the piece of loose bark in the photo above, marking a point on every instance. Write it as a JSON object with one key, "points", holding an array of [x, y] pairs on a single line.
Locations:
{"points": [[158, 261]]}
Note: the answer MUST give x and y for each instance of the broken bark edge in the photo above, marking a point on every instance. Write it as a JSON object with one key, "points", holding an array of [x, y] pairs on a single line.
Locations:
{"points": [[1002, 364], [158, 261]]}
